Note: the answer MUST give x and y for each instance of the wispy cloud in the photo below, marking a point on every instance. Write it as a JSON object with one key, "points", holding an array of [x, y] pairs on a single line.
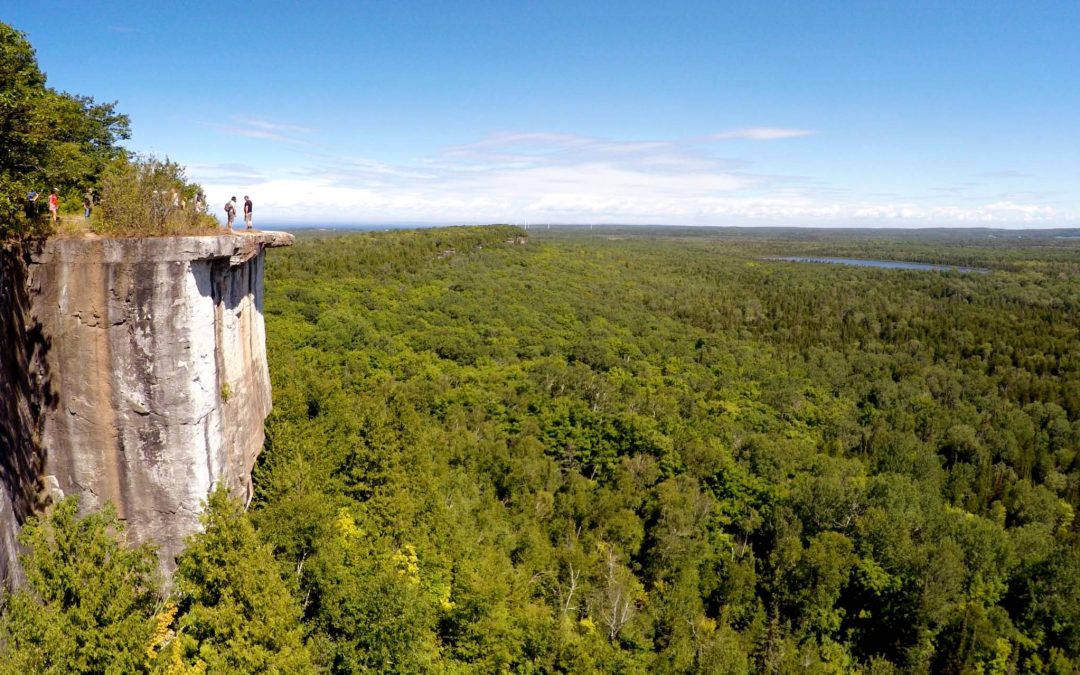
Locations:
{"points": [[760, 134], [267, 125], [252, 127], [508, 176], [122, 29], [994, 191], [547, 147], [522, 150], [1005, 174], [237, 174]]}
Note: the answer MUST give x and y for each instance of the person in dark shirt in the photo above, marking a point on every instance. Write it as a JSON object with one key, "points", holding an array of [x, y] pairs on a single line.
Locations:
{"points": [[247, 211]]}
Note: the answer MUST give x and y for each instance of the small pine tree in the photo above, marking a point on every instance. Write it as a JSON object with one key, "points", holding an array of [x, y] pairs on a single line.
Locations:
{"points": [[236, 613], [89, 602]]}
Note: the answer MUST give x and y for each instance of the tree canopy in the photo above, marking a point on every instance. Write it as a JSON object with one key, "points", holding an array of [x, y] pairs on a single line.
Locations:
{"points": [[639, 451], [48, 139], [650, 453], [90, 599]]}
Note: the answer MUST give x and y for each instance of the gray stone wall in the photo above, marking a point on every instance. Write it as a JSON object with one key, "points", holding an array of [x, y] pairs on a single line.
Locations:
{"points": [[150, 376]]}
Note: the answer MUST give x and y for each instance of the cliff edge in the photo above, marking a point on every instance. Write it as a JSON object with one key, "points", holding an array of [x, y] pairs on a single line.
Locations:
{"points": [[134, 370]]}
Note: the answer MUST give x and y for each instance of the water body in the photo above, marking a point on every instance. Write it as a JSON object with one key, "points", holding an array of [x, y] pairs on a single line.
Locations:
{"points": [[884, 264]]}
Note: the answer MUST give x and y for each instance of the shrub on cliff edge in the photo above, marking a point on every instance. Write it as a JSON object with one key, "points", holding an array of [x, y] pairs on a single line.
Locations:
{"points": [[148, 196]]}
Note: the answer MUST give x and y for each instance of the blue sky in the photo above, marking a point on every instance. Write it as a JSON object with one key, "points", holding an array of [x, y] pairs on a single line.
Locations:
{"points": [[893, 114]]}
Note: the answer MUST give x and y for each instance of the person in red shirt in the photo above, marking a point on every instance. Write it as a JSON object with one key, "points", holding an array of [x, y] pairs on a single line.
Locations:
{"points": [[54, 206]]}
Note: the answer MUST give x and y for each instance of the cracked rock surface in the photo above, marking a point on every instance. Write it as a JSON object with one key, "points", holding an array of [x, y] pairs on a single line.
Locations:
{"points": [[153, 353]]}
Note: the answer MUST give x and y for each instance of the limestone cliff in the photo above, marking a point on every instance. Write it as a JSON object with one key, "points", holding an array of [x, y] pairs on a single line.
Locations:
{"points": [[134, 370]]}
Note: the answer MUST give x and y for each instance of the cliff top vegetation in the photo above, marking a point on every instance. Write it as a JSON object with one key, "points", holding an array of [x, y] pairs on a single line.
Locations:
{"points": [[53, 140]]}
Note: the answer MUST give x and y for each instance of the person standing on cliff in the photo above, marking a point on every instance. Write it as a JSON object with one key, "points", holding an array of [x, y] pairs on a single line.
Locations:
{"points": [[230, 211], [247, 211], [54, 206], [87, 203], [31, 204]]}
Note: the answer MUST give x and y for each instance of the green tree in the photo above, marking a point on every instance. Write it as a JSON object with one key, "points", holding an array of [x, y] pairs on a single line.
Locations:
{"points": [[48, 139], [89, 602], [236, 614]]}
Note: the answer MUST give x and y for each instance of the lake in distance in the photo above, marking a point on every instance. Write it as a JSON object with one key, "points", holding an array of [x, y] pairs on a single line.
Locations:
{"points": [[884, 264]]}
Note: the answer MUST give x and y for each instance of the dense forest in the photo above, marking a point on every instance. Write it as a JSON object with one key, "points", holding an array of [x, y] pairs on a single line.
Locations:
{"points": [[627, 451], [630, 450]]}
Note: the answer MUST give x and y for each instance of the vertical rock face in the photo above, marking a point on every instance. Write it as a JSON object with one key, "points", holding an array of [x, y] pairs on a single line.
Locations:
{"points": [[25, 391], [141, 377]]}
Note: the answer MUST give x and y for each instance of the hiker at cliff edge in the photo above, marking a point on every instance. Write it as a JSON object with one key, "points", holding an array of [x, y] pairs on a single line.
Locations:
{"points": [[230, 211], [247, 211]]}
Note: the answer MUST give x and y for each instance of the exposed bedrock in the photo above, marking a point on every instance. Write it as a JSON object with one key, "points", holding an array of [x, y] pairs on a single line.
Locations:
{"points": [[136, 373]]}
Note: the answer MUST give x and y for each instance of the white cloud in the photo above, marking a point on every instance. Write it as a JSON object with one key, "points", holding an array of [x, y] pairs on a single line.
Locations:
{"points": [[252, 127], [507, 177], [271, 126], [760, 134], [1032, 210], [1007, 174]]}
